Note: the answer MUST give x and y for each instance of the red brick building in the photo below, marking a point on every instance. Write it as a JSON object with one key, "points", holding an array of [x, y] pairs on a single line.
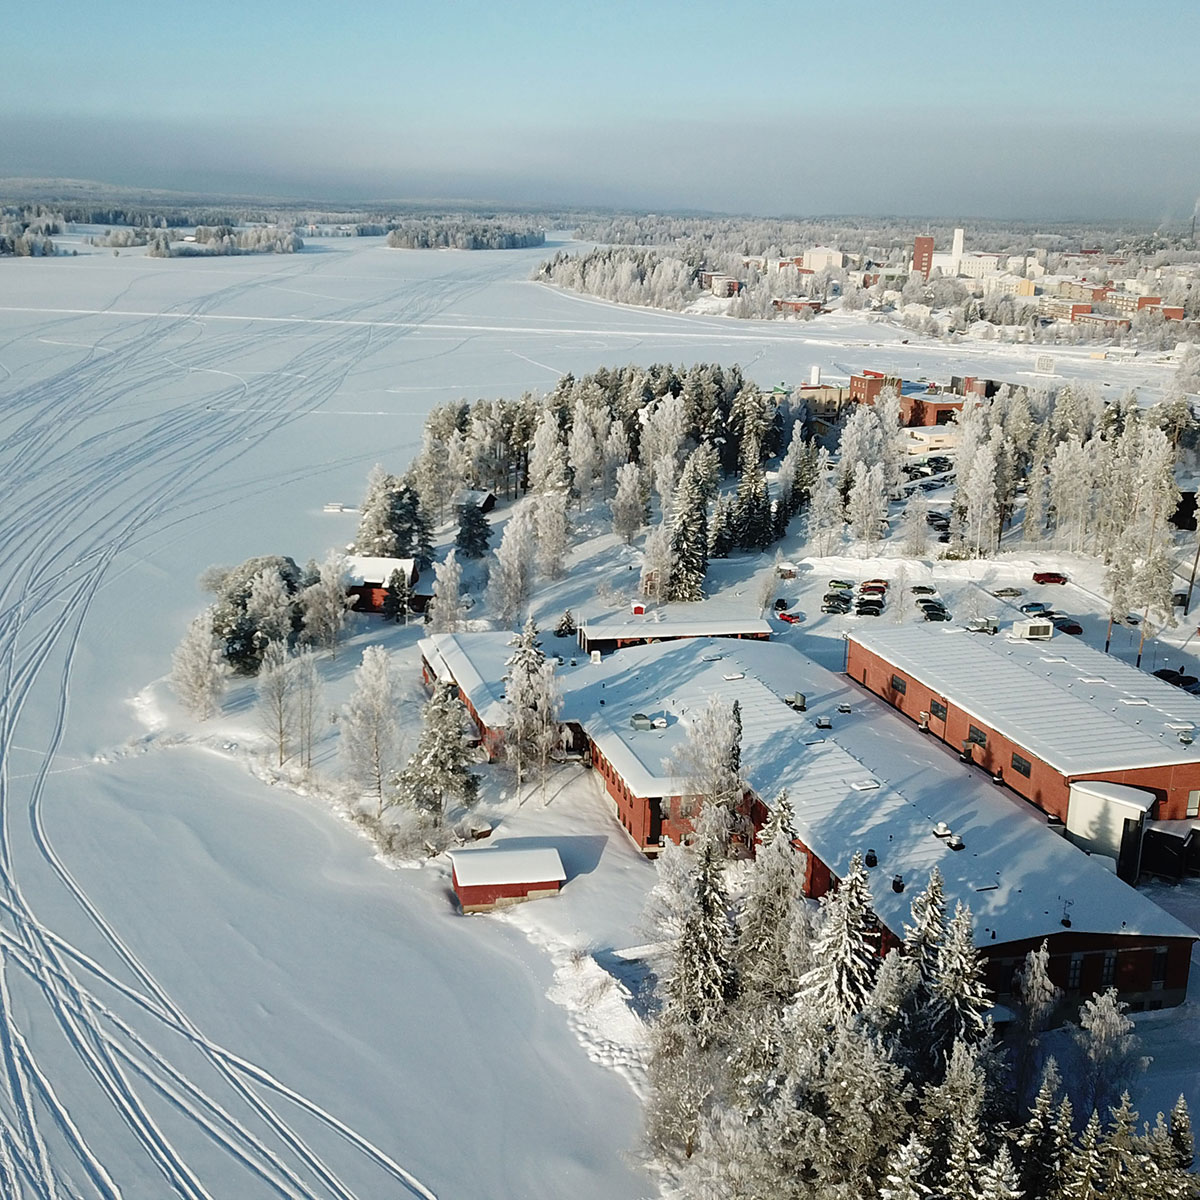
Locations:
{"points": [[866, 386], [367, 580], [923, 255]]}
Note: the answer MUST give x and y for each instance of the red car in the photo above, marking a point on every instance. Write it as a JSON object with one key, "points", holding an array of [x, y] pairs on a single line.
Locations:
{"points": [[788, 617], [1049, 577], [873, 583]]}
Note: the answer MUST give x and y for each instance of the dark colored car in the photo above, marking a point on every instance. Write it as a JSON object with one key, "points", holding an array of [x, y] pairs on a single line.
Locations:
{"points": [[836, 598], [869, 612], [1167, 675], [835, 608], [1049, 577], [923, 589], [780, 604], [936, 614], [1066, 625]]}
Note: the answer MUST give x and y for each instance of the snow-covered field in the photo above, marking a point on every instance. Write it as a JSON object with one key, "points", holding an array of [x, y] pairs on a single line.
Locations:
{"points": [[209, 986]]}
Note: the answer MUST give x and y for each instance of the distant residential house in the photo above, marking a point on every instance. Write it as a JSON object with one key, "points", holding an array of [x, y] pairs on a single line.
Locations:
{"points": [[367, 579], [483, 500]]}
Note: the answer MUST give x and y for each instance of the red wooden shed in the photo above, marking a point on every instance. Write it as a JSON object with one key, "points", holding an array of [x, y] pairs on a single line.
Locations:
{"points": [[495, 877]]}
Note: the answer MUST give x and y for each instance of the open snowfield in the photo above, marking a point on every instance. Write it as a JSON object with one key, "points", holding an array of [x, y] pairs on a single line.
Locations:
{"points": [[209, 987]]}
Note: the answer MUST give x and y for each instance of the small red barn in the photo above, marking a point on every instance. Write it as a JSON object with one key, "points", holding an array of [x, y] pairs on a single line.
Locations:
{"points": [[495, 877], [367, 579]]}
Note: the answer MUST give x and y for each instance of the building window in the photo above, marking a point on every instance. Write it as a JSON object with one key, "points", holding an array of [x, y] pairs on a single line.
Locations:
{"points": [[1108, 975], [1193, 809], [937, 710], [1160, 968], [1021, 765], [976, 735], [899, 685], [1074, 972]]}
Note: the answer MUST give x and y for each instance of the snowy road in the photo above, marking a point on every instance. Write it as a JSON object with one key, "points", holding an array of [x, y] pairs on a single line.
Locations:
{"points": [[208, 989]]}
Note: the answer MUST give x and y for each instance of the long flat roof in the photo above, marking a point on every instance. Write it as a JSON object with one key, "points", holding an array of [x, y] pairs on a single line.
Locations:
{"points": [[713, 618], [1076, 709]]}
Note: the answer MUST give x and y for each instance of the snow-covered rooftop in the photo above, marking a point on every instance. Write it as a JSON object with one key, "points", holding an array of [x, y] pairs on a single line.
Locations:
{"points": [[1018, 876], [363, 570], [494, 865], [478, 663], [713, 618], [1077, 709]]}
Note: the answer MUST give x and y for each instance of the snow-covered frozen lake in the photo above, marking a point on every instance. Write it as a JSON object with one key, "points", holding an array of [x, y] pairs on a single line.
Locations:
{"points": [[207, 987]]}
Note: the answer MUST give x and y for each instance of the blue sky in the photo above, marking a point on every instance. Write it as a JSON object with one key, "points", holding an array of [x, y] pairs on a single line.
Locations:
{"points": [[1055, 109]]}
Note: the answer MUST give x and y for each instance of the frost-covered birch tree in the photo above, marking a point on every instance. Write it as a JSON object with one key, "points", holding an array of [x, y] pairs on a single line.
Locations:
{"points": [[370, 735], [511, 579], [199, 669], [446, 609]]}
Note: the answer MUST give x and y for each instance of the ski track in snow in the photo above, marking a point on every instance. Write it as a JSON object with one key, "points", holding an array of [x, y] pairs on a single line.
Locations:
{"points": [[69, 447]]}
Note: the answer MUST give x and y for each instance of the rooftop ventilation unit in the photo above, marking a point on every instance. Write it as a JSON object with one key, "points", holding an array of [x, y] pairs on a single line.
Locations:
{"points": [[865, 785], [640, 722], [954, 842], [872, 859], [897, 883], [941, 830]]}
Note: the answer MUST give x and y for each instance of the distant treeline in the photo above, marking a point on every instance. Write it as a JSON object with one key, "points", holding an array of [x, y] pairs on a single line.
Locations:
{"points": [[436, 234], [223, 239]]}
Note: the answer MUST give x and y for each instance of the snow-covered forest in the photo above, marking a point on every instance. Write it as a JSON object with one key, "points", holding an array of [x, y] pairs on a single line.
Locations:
{"points": [[462, 234]]}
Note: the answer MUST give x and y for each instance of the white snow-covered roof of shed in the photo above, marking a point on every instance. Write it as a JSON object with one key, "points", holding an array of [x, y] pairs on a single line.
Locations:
{"points": [[363, 570], [496, 865], [1018, 876], [1075, 708]]}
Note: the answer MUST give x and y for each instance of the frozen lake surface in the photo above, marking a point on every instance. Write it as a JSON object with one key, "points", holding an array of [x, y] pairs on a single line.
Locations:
{"points": [[207, 987]]}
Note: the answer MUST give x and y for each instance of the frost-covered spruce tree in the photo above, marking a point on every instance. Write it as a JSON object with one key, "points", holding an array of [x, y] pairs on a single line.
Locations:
{"points": [[839, 982], [1033, 524], [1182, 1140], [752, 523], [199, 669], [324, 604], [772, 927], [522, 692], [998, 1179], [376, 535], [958, 998], [628, 505], [511, 579], [958, 1098], [905, 1172], [859, 443], [583, 452], [397, 598], [615, 455], [1107, 1053], [446, 609], [689, 532], [474, 531], [1039, 1156], [1037, 1000], [438, 769], [553, 531], [692, 1024], [370, 736], [276, 689], [1083, 1177], [923, 937]]}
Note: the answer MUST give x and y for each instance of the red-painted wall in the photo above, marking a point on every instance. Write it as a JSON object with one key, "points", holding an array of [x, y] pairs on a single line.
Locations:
{"points": [[1045, 786], [490, 893]]}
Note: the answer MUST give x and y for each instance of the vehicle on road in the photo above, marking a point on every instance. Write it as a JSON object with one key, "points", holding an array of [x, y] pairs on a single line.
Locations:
{"points": [[1035, 608], [1049, 577], [1007, 593]]}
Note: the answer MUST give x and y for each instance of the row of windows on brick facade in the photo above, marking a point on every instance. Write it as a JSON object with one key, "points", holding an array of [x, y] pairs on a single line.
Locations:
{"points": [[1108, 970]]}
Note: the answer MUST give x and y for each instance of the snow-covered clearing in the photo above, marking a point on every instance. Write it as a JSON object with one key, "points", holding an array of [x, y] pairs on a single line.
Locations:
{"points": [[209, 986]]}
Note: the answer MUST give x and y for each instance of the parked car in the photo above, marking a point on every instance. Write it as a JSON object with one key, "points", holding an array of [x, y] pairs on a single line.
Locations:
{"points": [[1167, 675], [944, 536], [1049, 577], [1006, 593], [1035, 608], [836, 609], [1066, 625], [1187, 681], [936, 614], [869, 612], [836, 598], [923, 589], [842, 584], [790, 618], [875, 583], [780, 604]]}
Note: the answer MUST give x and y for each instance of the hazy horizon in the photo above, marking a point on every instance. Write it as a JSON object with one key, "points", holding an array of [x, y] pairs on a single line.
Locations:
{"points": [[1069, 111]]}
